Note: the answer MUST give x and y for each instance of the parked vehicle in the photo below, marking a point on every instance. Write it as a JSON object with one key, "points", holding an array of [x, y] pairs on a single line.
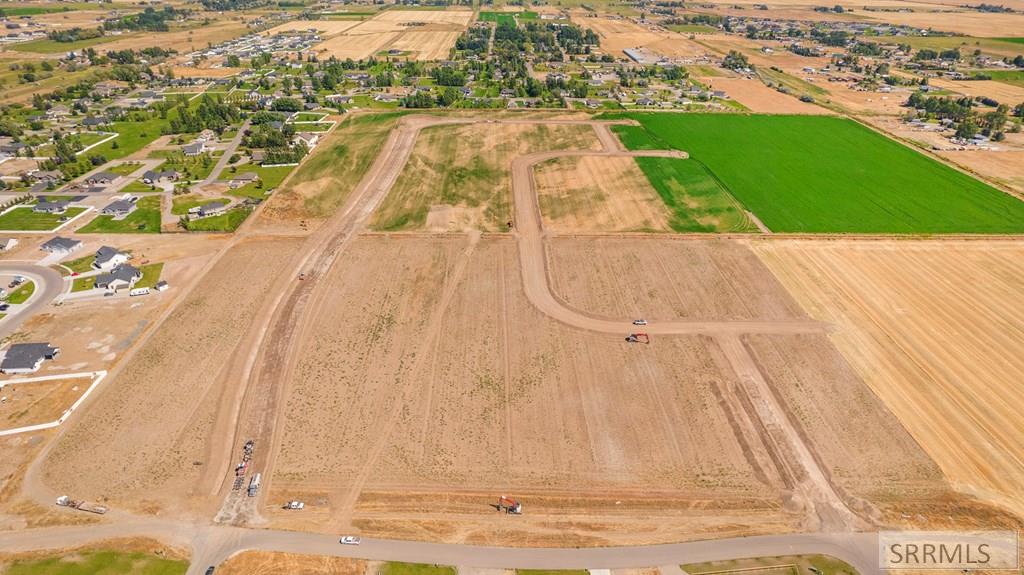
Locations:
{"points": [[349, 540], [5, 306], [138, 291], [639, 322]]}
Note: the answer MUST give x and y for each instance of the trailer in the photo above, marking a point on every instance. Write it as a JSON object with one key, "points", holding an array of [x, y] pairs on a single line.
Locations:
{"points": [[65, 501], [254, 485]]}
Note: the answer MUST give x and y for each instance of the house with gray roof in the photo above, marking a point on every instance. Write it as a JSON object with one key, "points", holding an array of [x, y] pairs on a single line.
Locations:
{"points": [[194, 149], [27, 357], [46, 207], [119, 208], [155, 177], [123, 276], [211, 209], [108, 258], [7, 243], [59, 245], [101, 178]]}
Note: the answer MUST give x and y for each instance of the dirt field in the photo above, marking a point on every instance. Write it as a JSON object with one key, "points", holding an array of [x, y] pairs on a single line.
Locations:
{"points": [[266, 563], [115, 452], [593, 194], [183, 40], [458, 176], [413, 408], [980, 24], [617, 35], [760, 98], [327, 28], [930, 328], [391, 29], [1000, 91], [38, 402]]}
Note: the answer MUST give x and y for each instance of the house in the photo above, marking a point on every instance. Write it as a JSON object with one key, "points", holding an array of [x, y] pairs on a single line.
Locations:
{"points": [[308, 138], [123, 276], [194, 149], [94, 122], [242, 179], [47, 176], [101, 179], [13, 148], [120, 208], [60, 246], [108, 258], [58, 111], [206, 136], [46, 207], [7, 244], [27, 357], [211, 209], [152, 177]]}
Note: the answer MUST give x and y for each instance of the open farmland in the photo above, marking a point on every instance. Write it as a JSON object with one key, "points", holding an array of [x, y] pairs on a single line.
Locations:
{"points": [[424, 34], [934, 329], [595, 194], [826, 174], [119, 450], [458, 176]]}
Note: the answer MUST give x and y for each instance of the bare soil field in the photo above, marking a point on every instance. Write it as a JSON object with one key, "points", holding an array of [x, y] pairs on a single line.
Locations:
{"points": [[433, 392], [666, 279], [327, 28], [760, 98], [458, 177], [595, 194], [38, 402], [980, 24], [267, 563], [617, 35], [427, 45], [933, 328], [118, 450], [182, 40], [1006, 93], [356, 47]]}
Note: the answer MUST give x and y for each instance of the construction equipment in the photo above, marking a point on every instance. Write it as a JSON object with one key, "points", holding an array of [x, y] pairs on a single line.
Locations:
{"points": [[638, 338], [65, 501], [254, 485], [509, 505]]}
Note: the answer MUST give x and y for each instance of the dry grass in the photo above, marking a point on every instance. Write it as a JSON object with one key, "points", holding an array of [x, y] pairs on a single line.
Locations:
{"points": [[268, 563]]}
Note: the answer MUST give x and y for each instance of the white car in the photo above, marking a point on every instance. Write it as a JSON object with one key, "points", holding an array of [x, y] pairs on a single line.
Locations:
{"points": [[349, 540], [639, 322]]}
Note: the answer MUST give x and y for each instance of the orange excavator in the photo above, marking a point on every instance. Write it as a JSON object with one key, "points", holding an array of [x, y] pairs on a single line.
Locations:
{"points": [[638, 338], [509, 505]]}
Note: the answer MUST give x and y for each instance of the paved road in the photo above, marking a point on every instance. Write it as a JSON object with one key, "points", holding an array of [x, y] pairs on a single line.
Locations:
{"points": [[213, 544], [231, 148], [49, 285]]}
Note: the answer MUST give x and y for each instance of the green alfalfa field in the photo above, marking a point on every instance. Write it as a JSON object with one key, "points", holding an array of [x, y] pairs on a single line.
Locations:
{"points": [[824, 174]]}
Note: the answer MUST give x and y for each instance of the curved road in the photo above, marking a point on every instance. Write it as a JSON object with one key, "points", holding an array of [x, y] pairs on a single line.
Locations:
{"points": [[49, 285], [276, 340]]}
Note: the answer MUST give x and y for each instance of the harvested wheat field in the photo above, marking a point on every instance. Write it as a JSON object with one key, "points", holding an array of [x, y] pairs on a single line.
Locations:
{"points": [[598, 194], [426, 45], [936, 329], [1005, 166], [425, 34], [117, 450], [760, 98], [617, 35], [356, 47], [1000, 91], [979, 24], [458, 177], [267, 563]]}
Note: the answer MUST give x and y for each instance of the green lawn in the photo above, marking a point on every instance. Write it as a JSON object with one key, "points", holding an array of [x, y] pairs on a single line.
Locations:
{"points": [[314, 127], [24, 219], [827, 174], [499, 17], [308, 117], [22, 294], [1012, 77], [182, 204], [137, 187], [99, 563], [150, 275], [132, 137], [692, 28], [125, 168], [80, 265], [269, 178], [1016, 40], [82, 284], [698, 202], [398, 568], [144, 220], [227, 222]]}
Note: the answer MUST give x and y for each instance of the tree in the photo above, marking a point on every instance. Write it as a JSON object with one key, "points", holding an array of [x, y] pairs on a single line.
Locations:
{"points": [[967, 129]]}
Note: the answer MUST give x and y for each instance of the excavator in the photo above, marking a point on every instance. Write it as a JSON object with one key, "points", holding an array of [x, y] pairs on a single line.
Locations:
{"points": [[638, 338], [509, 505]]}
